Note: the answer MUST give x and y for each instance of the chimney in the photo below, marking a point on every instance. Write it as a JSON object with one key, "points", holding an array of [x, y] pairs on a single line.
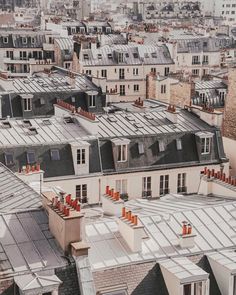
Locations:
{"points": [[172, 114], [186, 238], [65, 220], [217, 183], [112, 204], [131, 230], [31, 173]]}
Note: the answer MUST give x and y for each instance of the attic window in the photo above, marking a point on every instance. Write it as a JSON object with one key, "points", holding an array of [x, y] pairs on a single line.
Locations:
{"points": [[8, 159], [135, 55], [5, 40], [30, 157], [6, 124], [27, 123], [33, 40], [86, 56], [112, 119], [68, 120], [122, 153], [32, 131], [42, 101], [55, 155], [24, 40], [99, 56], [154, 54], [146, 55], [109, 56], [140, 148], [127, 55], [161, 145], [179, 144], [47, 122]]}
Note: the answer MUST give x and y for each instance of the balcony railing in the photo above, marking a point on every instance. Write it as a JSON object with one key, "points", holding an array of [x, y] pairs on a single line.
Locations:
{"points": [[164, 191], [182, 189], [146, 194]]}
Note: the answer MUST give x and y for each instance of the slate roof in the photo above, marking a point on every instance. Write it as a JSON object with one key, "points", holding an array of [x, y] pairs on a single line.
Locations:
{"points": [[15, 195]]}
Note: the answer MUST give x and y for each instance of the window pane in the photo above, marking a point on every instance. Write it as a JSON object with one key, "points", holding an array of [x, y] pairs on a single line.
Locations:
{"points": [[55, 156], [187, 289], [31, 157]]}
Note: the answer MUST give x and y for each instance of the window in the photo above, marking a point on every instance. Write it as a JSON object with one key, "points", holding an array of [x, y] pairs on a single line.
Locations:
{"points": [[179, 144], [187, 289], [27, 104], [122, 89], [135, 71], [122, 153], [8, 159], [195, 72], [121, 186], [9, 54], [24, 40], [153, 70], [195, 60], [205, 145], [80, 156], [147, 187], [164, 185], [205, 59], [30, 157], [81, 193], [120, 57], [33, 41], [167, 71], [181, 183], [104, 73], [121, 73], [163, 89], [73, 30], [140, 148], [5, 40], [92, 101], [23, 55], [55, 155], [161, 145], [86, 57], [136, 88], [88, 72]]}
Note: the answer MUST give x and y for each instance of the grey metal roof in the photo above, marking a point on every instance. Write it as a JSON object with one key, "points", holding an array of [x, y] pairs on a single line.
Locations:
{"points": [[184, 270], [212, 84], [57, 82], [26, 244], [226, 258], [121, 124], [15, 195], [214, 226], [65, 43], [49, 130], [145, 54]]}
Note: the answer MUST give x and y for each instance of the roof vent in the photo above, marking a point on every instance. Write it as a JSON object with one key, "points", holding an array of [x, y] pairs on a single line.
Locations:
{"points": [[68, 120], [27, 123], [112, 119], [47, 122]]}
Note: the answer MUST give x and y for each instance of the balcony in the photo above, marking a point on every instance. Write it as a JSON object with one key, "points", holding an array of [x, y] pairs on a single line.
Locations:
{"points": [[8, 60], [196, 63], [205, 62], [182, 190], [164, 191], [146, 194]]}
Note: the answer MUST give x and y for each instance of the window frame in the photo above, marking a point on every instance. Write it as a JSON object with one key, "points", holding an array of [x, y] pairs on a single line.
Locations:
{"points": [[205, 143], [6, 155], [81, 156], [27, 104], [122, 153], [57, 158], [28, 153]]}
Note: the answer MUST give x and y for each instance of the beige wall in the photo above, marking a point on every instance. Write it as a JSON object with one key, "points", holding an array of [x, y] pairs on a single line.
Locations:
{"points": [[230, 148]]}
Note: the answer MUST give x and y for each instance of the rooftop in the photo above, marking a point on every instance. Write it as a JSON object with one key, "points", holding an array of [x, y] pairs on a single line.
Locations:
{"points": [[57, 81], [213, 223], [15, 195]]}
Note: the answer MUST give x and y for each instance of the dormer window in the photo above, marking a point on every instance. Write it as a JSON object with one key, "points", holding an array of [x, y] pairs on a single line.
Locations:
{"points": [[5, 40], [27, 104], [24, 40], [80, 156], [55, 155], [205, 145], [8, 159], [92, 101], [30, 157], [122, 153], [179, 144], [120, 57], [33, 41], [161, 145]]}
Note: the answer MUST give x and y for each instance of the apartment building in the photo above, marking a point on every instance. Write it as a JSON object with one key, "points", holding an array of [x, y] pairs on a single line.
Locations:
{"points": [[24, 52], [144, 150], [122, 69], [36, 95], [197, 55]]}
